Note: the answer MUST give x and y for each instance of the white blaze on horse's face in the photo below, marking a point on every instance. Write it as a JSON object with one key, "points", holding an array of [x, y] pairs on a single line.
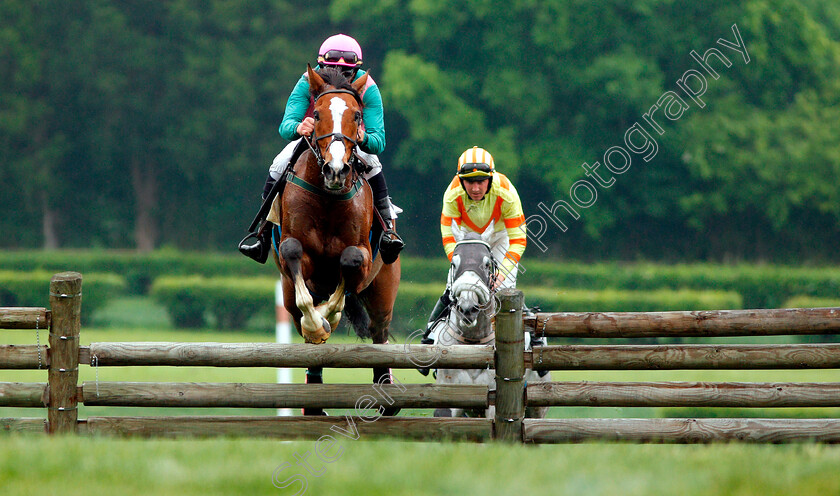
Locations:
{"points": [[336, 148]]}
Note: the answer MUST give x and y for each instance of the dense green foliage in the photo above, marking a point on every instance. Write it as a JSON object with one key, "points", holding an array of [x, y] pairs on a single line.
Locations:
{"points": [[130, 125]]}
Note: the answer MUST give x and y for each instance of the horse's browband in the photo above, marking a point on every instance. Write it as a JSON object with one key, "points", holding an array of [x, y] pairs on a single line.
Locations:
{"points": [[353, 93], [300, 182], [473, 242]]}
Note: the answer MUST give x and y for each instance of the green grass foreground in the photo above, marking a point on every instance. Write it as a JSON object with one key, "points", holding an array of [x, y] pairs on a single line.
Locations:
{"points": [[89, 467]]}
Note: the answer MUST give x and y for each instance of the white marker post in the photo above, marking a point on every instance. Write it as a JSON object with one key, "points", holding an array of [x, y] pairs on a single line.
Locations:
{"points": [[283, 330]]}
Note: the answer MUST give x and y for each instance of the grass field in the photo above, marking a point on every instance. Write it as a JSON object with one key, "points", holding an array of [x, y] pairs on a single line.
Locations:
{"points": [[92, 466]]}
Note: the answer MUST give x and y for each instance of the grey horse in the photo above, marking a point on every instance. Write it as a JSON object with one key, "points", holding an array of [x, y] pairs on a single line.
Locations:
{"points": [[470, 319]]}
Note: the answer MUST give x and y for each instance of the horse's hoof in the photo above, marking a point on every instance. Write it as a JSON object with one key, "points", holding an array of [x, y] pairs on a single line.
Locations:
{"points": [[319, 336]]}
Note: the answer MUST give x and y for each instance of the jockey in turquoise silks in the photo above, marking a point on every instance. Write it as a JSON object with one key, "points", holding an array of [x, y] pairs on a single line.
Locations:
{"points": [[344, 53]]}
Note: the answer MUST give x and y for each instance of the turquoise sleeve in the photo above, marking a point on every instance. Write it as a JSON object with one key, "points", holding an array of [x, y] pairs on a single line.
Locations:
{"points": [[296, 108], [374, 118]]}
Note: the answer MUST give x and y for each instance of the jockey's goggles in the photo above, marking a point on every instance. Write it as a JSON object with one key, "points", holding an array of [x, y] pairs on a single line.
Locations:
{"points": [[478, 171], [340, 57]]}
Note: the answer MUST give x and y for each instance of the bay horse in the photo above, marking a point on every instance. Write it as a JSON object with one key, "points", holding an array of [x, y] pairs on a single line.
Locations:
{"points": [[324, 249], [471, 318]]}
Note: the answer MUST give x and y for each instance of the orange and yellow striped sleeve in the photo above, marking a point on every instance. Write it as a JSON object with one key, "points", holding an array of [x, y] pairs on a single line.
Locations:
{"points": [[514, 220]]}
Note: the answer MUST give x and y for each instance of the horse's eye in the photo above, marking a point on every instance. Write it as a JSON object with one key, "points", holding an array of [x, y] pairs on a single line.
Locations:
{"points": [[358, 116], [316, 116]]}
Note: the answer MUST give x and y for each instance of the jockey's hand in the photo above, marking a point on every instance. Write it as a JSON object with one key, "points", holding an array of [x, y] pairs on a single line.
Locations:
{"points": [[496, 281], [360, 135], [306, 127]]}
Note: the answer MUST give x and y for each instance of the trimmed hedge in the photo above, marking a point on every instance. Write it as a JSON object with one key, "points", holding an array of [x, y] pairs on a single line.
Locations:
{"points": [[231, 302], [138, 269], [415, 301], [811, 302], [761, 286], [32, 289], [621, 300], [228, 301]]}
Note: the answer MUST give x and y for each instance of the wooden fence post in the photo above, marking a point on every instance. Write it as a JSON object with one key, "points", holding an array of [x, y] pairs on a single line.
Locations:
{"points": [[65, 304], [510, 367]]}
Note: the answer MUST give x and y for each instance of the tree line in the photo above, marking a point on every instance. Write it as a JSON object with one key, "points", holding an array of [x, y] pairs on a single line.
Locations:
{"points": [[130, 124]]}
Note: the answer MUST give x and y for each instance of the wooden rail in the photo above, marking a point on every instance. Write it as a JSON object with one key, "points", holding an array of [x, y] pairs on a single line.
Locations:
{"points": [[24, 318], [431, 429], [671, 357], [287, 355], [282, 395], [761, 322], [27, 425], [23, 394], [684, 394], [682, 430], [28, 356]]}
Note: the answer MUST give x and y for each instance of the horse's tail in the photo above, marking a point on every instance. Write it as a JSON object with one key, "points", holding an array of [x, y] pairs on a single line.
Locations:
{"points": [[357, 315]]}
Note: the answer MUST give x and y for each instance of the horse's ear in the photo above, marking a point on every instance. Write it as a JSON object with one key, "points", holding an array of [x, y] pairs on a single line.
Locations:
{"points": [[360, 83], [485, 236], [457, 232], [316, 82]]}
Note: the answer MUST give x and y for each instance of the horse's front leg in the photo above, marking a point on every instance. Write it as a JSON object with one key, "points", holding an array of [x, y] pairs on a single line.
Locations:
{"points": [[355, 266], [314, 327], [332, 308]]}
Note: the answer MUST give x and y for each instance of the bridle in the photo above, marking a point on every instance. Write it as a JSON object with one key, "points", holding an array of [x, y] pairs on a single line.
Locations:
{"points": [[457, 336], [494, 267], [313, 141]]}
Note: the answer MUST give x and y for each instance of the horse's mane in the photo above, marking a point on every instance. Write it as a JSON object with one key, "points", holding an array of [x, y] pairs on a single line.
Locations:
{"points": [[333, 77]]}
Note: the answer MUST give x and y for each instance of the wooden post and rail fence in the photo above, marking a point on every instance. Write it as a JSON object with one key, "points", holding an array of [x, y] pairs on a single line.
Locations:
{"points": [[62, 394]]}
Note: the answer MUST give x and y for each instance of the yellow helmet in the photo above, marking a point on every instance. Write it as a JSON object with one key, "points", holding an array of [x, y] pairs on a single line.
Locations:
{"points": [[476, 162]]}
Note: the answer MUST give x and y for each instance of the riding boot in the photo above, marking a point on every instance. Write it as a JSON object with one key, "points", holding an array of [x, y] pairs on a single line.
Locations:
{"points": [[258, 250], [441, 310], [390, 244]]}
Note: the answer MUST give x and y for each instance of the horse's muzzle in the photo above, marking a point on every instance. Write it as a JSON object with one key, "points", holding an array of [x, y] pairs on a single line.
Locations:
{"points": [[334, 181]]}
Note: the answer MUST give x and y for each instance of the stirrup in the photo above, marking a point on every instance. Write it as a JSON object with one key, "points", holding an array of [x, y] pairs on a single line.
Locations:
{"points": [[257, 251]]}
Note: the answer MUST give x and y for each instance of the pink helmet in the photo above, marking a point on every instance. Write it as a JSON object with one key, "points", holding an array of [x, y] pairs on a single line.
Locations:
{"points": [[340, 49]]}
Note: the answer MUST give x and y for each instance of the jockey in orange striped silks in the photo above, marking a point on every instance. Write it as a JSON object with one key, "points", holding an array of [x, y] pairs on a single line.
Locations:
{"points": [[480, 199]]}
